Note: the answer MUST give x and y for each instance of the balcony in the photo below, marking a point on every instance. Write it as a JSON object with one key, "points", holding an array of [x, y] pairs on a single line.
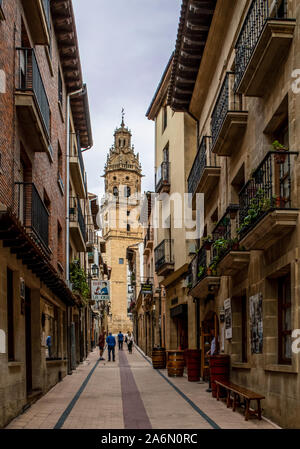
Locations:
{"points": [[263, 44], [202, 280], [38, 18], [233, 263], [92, 238], [148, 240], [77, 166], [162, 178], [164, 258], [266, 206], [33, 214], [77, 224], [228, 120], [205, 172], [32, 102]]}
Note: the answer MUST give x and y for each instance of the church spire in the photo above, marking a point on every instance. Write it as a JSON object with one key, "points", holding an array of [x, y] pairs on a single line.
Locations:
{"points": [[123, 115]]}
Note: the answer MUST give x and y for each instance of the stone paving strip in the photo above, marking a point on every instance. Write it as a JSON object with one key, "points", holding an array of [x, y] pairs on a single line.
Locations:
{"points": [[129, 394], [196, 391]]}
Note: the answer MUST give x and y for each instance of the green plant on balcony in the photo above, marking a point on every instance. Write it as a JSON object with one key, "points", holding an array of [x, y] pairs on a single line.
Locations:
{"points": [[258, 205], [277, 146], [78, 280], [213, 266], [221, 245], [201, 271]]}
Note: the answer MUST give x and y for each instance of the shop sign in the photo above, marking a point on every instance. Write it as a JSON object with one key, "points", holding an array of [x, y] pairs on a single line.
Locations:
{"points": [[256, 323], [146, 289], [100, 290]]}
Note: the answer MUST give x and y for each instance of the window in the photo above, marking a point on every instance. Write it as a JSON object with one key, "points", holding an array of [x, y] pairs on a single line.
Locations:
{"points": [[59, 159], [115, 191], [127, 191], [165, 118], [10, 316], [128, 228], [59, 243], [121, 261], [60, 88], [284, 320]]}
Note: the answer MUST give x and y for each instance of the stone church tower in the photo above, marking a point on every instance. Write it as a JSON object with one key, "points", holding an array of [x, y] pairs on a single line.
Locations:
{"points": [[120, 218]]}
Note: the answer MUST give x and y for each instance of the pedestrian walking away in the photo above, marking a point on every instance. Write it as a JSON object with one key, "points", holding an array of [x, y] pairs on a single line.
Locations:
{"points": [[111, 343], [101, 344], [120, 340], [130, 342]]}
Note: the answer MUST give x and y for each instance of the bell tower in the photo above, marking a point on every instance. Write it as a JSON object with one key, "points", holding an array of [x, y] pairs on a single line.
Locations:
{"points": [[120, 221]]}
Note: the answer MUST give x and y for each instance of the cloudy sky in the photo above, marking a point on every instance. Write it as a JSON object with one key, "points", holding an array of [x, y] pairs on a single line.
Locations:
{"points": [[124, 48]]}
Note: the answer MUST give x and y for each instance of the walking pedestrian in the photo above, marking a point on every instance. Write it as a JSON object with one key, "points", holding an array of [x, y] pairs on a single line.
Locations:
{"points": [[49, 345], [101, 344], [120, 340], [130, 342], [211, 352], [111, 343]]}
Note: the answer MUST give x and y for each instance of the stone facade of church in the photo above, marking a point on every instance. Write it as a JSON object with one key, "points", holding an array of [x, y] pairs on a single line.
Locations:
{"points": [[121, 227]]}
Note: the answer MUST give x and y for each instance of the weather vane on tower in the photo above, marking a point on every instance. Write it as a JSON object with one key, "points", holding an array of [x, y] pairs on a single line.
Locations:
{"points": [[123, 115]]}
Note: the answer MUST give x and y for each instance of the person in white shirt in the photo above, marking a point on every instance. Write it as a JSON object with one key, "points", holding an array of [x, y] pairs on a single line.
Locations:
{"points": [[130, 342]]}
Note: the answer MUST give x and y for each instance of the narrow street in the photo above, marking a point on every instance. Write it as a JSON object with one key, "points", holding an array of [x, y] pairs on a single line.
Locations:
{"points": [[129, 394]]}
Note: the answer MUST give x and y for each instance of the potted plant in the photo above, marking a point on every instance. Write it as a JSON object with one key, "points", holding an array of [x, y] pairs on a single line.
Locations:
{"points": [[282, 152], [201, 271], [207, 242], [235, 246], [280, 201]]}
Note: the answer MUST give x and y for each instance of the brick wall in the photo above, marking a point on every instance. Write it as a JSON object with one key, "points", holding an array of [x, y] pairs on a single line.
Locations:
{"points": [[15, 144]]}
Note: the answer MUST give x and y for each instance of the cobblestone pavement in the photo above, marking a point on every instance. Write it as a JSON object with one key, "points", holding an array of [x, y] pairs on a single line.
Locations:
{"points": [[130, 394]]}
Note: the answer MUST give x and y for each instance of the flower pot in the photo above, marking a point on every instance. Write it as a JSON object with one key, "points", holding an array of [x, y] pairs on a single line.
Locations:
{"points": [[207, 245], [221, 229], [209, 271], [280, 202], [280, 157], [235, 247]]}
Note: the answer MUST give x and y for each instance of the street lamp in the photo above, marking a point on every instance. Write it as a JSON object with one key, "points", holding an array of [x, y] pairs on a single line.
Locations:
{"points": [[95, 270]]}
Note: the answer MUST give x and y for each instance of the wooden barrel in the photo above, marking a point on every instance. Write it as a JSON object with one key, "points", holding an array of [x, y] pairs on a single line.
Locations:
{"points": [[193, 358], [219, 370], [175, 363], [159, 358]]}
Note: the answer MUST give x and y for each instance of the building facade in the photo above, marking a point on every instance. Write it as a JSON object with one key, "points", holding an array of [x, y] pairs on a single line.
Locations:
{"points": [[36, 107], [175, 137], [236, 77], [121, 228]]}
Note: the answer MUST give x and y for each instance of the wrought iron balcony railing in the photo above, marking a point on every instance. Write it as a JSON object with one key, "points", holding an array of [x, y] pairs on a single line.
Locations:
{"points": [[162, 176], [164, 253], [80, 158], [268, 189], [32, 213], [259, 13], [197, 268], [76, 215], [148, 236], [30, 79], [204, 158], [227, 101], [222, 235]]}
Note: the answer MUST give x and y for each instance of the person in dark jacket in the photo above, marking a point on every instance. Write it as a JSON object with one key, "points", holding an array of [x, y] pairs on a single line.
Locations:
{"points": [[120, 340], [101, 344], [111, 343]]}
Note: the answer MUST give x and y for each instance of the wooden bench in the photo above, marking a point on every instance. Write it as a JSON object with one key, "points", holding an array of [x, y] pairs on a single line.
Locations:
{"points": [[248, 395]]}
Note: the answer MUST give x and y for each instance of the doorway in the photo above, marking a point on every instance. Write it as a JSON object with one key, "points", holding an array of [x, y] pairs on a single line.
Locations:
{"points": [[28, 344], [210, 323]]}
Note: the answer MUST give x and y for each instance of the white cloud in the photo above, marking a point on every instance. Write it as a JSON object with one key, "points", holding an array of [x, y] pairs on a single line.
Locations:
{"points": [[124, 48]]}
